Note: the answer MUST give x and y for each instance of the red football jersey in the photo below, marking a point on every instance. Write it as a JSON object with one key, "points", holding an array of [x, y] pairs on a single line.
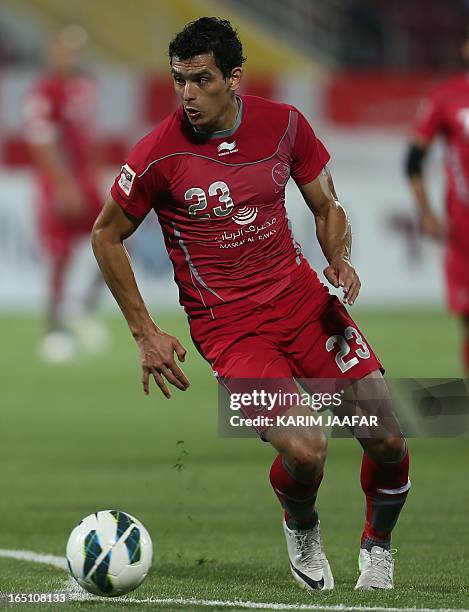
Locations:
{"points": [[445, 112], [220, 200], [63, 110]]}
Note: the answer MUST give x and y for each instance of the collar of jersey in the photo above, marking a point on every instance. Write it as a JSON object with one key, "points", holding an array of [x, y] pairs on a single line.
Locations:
{"points": [[225, 133]]}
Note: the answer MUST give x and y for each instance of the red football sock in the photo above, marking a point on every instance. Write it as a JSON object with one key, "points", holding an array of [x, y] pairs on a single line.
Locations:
{"points": [[297, 498], [466, 354], [386, 486]]}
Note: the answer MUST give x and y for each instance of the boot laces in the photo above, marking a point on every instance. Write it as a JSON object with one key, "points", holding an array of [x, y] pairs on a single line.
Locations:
{"points": [[309, 549], [381, 565]]}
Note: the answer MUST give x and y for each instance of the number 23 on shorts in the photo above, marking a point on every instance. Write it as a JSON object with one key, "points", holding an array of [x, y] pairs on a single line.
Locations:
{"points": [[343, 359]]}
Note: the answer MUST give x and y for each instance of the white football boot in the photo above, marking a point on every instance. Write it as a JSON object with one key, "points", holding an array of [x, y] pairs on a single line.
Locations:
{"points": [[57, 347], [376, 569], [308, 563], [91, 333]]}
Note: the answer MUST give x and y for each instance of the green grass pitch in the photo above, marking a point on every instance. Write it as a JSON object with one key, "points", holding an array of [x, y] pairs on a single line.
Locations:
{"points": [[82, 437]]}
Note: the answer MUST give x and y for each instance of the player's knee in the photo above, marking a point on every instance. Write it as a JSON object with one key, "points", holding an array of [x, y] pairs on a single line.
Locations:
{"points": [[306, 457], [390, 449]]}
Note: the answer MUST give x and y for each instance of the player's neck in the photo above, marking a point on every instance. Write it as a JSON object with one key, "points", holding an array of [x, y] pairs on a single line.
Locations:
{"points": [[227, 120], [60, 73]]}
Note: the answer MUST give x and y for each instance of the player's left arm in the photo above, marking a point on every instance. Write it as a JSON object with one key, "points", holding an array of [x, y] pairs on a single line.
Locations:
{"points": [[431, 224], [333, 232], [429, 123]]}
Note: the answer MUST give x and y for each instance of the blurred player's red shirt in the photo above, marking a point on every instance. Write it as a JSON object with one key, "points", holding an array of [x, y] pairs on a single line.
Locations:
{"points": [[221, 202], [62, 111], [445, 112]]}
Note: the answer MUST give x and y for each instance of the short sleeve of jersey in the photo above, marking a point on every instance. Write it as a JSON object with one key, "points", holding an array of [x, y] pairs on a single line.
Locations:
{"points": [[428, 120], [137, 187], [309, 155]]}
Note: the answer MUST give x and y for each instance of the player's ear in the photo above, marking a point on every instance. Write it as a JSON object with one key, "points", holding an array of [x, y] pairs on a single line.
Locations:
{"points": [[235, 78]]}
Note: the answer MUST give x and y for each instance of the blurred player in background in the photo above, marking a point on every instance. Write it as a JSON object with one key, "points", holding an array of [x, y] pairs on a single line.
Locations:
{"points": [[445, 113], [59, 125], [215, 173]]}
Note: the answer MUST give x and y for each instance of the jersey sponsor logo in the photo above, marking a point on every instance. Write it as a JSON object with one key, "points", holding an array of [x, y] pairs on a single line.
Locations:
{"points": [[245, 215], [247, 234], [226, 148], [126, 179]]}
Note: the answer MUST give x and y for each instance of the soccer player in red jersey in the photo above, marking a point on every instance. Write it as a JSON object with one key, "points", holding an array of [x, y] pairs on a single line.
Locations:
{"points": [[59, 125], [445, 112], [215, 173]]}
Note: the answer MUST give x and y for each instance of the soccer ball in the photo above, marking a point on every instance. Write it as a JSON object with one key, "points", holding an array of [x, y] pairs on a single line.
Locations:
{"points": [[109, 553]]}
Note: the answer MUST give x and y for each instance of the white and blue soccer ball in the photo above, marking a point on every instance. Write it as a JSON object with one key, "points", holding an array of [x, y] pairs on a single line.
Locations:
{"points": [[109, 553]]}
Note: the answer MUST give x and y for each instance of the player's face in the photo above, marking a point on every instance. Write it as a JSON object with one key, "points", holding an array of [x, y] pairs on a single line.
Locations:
{"points": [[207, 97], [62, 58]]}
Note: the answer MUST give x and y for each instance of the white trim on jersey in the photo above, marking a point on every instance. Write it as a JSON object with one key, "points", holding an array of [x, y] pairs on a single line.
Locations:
{"points": [[218, 161]]}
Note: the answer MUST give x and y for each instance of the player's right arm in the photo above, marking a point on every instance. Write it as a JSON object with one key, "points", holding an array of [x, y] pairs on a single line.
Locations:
{"points": [[428, 124], [156, 347], [309, 171]]}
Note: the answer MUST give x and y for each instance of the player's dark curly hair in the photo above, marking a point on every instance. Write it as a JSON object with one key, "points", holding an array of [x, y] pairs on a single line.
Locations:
{"points": [[209, 35]]}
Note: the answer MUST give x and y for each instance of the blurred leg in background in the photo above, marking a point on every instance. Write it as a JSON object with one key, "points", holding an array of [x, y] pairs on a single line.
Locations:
{"points": [[59, 125]]}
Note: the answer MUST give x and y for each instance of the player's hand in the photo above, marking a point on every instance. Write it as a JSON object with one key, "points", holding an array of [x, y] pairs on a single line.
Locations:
{"points": [[157, 357], [341, 273], [432, 226], [69, 202]]}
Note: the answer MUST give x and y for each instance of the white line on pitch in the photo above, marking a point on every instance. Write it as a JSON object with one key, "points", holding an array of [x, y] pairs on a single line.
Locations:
{"points": [[28, 555], [255, 605], [71, 586]]}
